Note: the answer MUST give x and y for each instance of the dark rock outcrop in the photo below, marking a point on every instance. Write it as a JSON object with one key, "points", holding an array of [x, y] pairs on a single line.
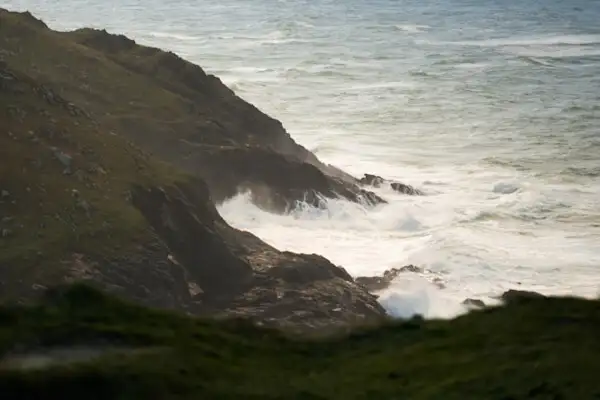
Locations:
{"points": [[203, 266], [513, 296], [377, 181], [378, 283], [276, 181], [243, 276]]}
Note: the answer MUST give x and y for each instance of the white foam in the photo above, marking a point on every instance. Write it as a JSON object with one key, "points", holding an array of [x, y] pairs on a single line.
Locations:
{"points": [[173, 35], [554, 40], [411, 28], [553, 52], [469, 242], [412, 295]]}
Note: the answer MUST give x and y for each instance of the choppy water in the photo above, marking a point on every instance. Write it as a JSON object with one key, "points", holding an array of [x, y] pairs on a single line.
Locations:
{"points": [[492, 107]]}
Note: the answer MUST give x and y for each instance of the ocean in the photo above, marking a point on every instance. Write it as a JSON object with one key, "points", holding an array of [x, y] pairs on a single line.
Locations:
{"points": [[491, 107]]}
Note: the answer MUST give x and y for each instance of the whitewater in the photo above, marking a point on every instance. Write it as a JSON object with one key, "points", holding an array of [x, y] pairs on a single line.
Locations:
{"points": [[492, 108]]}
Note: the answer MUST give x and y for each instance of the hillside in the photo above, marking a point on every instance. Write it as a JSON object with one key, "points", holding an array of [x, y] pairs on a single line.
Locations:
{"points": [[81, 344], [93, 188]]}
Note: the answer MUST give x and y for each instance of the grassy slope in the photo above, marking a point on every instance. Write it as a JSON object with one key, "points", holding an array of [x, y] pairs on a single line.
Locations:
{"points": [[140, 92], [540, 349], [46, 213]]}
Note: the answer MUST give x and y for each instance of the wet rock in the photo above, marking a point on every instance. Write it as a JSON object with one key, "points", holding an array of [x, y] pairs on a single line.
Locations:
{"points": [[473, 303], [276, 182], [513, 296], [372, 180], [377, 181], [4, 194], [411, 268], [405, 189], [378, 283]]}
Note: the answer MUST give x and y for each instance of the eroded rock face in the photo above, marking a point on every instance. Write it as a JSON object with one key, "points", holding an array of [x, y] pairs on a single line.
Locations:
{"points": [[276, 181], [377, 181], [201, 265], [240, 275]]}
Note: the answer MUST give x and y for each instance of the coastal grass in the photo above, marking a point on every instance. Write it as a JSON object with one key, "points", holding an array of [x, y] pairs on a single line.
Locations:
{"points": [[65, 184], [543, 348]]}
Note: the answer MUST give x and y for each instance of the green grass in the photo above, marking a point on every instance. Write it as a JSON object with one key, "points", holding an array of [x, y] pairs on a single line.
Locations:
{"points": [[49, 214], [538, 349]]}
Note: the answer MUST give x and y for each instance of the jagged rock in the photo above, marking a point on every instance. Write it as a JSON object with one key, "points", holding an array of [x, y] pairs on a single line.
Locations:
{"points": [[372, 180], [411, 268], [405, 189], [377, 181], [512, 296], [276, 182], [378, 283], [473, 303]]}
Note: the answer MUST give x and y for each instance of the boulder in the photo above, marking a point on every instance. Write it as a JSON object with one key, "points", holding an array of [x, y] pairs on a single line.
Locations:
{"points": [[513, 296], [377, 181]]}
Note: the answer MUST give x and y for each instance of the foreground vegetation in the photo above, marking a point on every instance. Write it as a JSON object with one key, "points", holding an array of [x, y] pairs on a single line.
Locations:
{"points": [[534, 349]]}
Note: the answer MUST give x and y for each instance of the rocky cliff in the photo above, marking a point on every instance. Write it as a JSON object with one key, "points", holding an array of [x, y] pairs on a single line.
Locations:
{"points": [[172, 109], [112, 157]]}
